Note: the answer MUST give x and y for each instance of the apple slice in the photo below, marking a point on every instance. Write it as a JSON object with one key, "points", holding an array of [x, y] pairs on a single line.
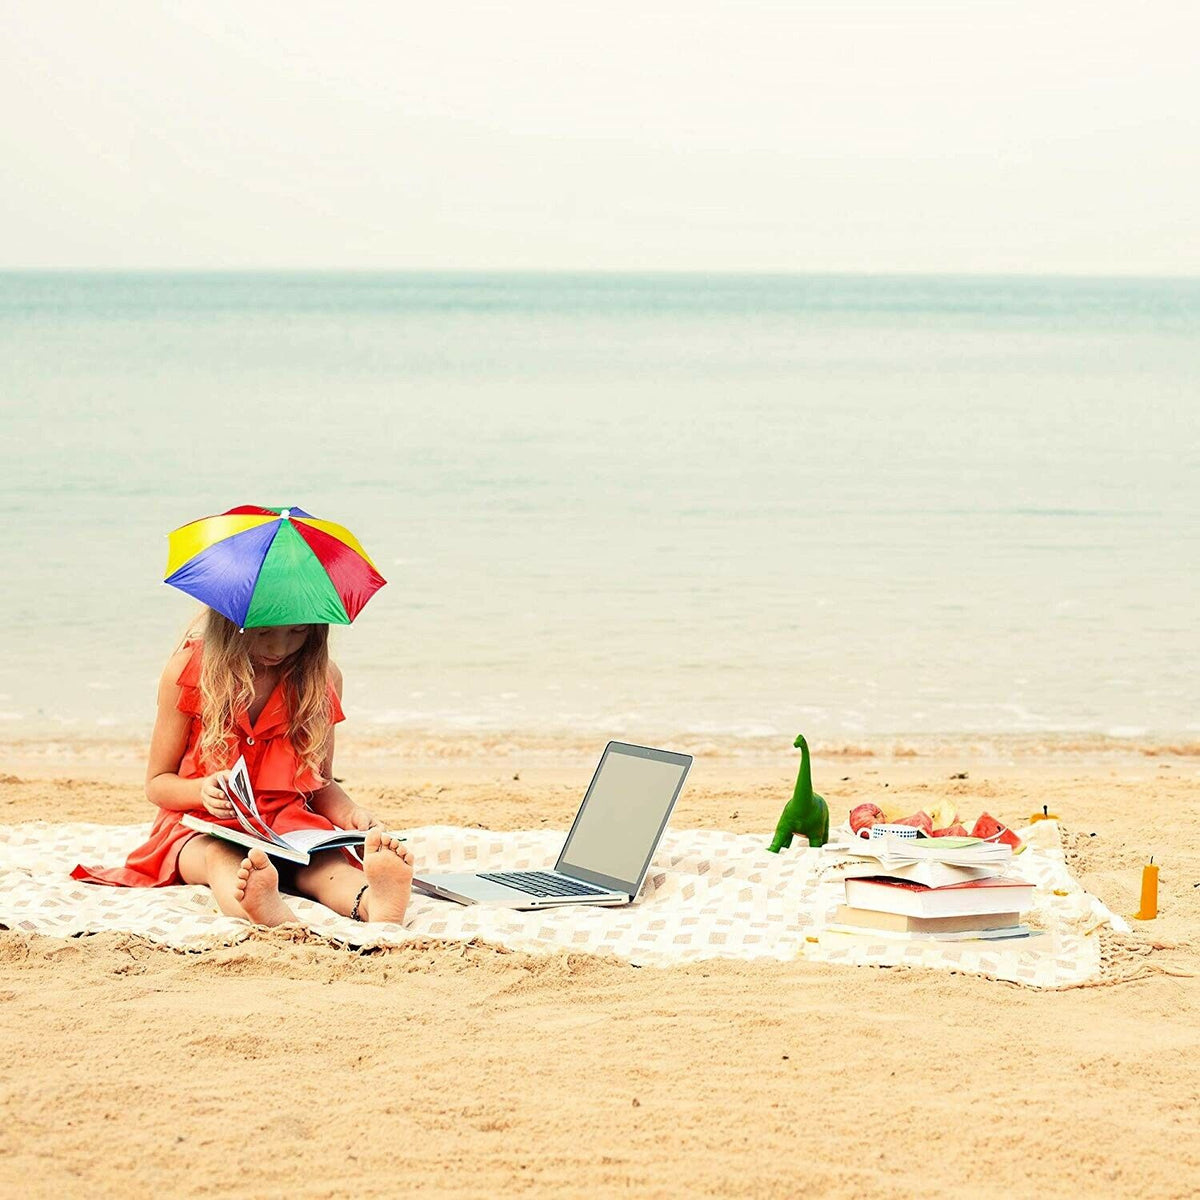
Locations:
{"points": [[944, 813]]}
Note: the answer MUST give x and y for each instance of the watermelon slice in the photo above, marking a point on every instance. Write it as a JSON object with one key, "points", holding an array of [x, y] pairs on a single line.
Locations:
{"points": [[922, 820], [991, 830], [954, 830]]}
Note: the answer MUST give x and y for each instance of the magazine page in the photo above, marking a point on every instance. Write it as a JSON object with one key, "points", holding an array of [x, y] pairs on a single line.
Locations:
{"points": [[241, 796]]}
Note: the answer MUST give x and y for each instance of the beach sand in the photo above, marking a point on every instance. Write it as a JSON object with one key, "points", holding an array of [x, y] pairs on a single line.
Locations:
{"points": [[285, 1066]]}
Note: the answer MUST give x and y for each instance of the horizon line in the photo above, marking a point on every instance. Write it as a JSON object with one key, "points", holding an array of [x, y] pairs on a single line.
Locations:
{"points": [[648, 272]]}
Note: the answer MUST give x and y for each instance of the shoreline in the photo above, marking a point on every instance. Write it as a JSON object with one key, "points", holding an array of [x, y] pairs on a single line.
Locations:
{"points": [[386, 754]]}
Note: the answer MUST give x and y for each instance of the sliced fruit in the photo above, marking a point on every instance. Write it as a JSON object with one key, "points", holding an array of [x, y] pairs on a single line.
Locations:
{"points": [[922, 820], [991, 830], [944, 813], [955, 830]]}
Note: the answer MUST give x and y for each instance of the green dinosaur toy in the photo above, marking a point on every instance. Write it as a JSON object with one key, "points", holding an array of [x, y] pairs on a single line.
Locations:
{"points": [[806, 813]]}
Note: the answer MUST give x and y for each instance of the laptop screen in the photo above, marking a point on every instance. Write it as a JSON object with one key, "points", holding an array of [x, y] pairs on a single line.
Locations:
{"points": [[623, 815]]}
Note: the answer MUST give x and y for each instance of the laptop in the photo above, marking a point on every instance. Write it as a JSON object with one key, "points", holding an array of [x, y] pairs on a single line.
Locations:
{"points": [[609, 846]]}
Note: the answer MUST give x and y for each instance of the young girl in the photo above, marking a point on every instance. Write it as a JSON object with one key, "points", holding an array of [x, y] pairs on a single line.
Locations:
{"points": [[273, 696]]}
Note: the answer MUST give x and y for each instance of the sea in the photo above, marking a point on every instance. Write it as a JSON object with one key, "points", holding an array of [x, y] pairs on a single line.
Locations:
{"points": [[641, 506]]}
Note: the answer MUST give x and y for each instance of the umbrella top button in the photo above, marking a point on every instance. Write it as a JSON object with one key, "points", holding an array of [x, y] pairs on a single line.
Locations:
{"points": [[249, 741], [286, 513]]}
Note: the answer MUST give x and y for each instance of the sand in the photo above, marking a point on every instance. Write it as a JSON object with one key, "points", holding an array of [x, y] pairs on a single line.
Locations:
{"points": [[282, 1066]]}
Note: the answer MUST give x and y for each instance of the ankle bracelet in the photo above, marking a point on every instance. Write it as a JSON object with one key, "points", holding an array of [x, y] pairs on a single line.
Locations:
{"points": [[357, 901]]}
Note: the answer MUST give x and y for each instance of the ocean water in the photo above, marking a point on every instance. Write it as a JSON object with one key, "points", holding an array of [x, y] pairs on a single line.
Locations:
{"points": [[639, 506]]}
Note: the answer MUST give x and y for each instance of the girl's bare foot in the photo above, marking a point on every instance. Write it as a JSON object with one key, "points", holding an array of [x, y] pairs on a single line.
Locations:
{"points": [[257, 891], [389, 870]]}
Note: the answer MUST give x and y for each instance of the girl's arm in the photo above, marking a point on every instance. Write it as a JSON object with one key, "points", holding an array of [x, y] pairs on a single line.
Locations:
{"points": [[167, 744], [331, 801]]}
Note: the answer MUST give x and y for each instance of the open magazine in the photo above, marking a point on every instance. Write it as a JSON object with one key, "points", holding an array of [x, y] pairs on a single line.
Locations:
{"points": [[298, 846]]}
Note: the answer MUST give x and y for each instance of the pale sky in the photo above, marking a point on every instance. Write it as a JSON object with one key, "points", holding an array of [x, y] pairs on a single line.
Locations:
{"points": [[968, 136]]}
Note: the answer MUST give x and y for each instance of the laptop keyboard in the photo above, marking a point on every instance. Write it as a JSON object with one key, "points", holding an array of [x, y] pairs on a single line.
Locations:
{"points": [[543, 883]]}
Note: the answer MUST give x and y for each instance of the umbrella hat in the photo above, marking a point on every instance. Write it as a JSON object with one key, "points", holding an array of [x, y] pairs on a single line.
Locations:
{"points": [[272, 566]]}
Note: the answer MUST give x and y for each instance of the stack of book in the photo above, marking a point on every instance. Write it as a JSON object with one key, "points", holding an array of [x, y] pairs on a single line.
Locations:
{"points": [[932, 889]]}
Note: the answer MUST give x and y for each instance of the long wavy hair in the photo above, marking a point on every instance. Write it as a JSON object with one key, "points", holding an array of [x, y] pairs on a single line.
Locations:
{"points": [[227, 687]]}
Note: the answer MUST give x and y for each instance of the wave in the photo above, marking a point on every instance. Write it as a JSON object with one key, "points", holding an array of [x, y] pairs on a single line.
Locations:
{"points": [[476, 747]]}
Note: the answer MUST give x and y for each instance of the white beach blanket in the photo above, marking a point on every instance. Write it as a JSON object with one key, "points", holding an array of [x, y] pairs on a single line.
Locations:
{"points": [[707, 895]]}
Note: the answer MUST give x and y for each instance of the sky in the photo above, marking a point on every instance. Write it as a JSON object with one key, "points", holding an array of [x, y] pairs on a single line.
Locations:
{"points": [[976, 136]]}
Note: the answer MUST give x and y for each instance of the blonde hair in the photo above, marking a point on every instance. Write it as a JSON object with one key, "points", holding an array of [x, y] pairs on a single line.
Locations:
{"points": [[227, 687]]}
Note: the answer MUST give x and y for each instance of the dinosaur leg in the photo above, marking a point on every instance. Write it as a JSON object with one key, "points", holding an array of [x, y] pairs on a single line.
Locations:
{"points": [[823, 832], [783, 835]]}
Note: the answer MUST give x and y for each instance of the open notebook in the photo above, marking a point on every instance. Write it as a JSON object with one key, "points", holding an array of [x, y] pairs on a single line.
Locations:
{"points": [[934, 862], [298, 846]]}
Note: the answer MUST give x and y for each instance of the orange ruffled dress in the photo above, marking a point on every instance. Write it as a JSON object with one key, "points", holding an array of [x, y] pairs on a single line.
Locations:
{"points": [[282, 797]]}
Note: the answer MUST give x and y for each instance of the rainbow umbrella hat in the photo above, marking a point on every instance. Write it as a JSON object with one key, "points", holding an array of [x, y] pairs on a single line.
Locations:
{"points": [[273, 566]]}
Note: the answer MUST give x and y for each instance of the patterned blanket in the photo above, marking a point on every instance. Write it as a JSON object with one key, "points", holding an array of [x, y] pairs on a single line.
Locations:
{"points": [[707, 895]]}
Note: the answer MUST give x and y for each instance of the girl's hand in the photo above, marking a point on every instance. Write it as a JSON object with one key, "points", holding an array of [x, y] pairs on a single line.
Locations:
{"points": [[213, 798], [360, 819]]}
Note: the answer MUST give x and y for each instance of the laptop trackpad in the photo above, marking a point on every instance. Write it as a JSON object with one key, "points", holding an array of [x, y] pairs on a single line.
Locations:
{"points": [[471, 889]]}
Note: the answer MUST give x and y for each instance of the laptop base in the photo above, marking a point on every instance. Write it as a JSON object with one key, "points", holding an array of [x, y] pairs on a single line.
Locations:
{"points": [[467, 888]]}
